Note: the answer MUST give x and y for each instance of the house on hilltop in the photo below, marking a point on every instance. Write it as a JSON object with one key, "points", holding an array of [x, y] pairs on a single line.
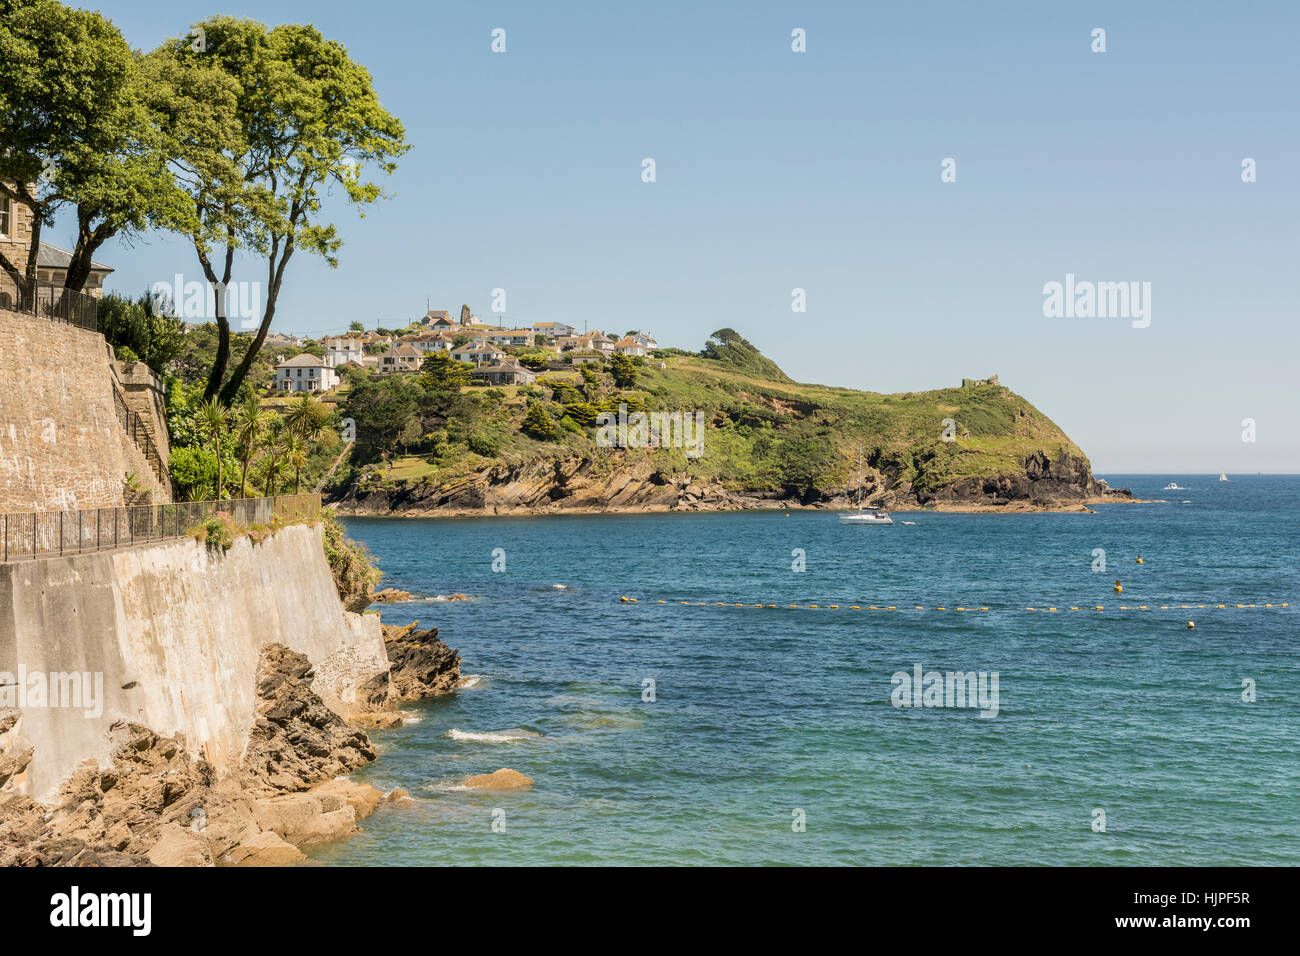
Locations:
{"points": [[505, 372], [403, 357], [305, 373], [339, 350]]}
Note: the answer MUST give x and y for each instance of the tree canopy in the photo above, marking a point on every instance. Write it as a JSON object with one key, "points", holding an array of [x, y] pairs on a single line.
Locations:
{"points": [[263, 121]]}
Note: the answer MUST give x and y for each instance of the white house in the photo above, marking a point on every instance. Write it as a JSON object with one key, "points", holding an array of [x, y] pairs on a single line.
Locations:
{"points": [[552, 330], [629, 346], [478, 354], [339, 350], [428, 342], [305, 373], [515, 337]]}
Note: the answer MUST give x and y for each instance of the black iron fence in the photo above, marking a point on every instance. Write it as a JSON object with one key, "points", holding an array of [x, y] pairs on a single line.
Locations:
{"points": [[42, 534], [50, 301], [133, 423]]}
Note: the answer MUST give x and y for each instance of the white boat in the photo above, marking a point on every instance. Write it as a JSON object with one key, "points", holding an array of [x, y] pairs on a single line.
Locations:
{"points": [[1174, 486], [1222, 476], [864, 516], [873, 516]]}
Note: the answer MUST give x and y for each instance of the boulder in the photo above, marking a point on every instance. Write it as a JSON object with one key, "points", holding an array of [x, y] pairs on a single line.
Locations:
{"points": [[503, 779]]}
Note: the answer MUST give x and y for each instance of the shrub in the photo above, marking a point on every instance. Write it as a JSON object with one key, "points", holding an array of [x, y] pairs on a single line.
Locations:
{"points": [[481, 444], [351, 565], [538, 424], [219, 531]]}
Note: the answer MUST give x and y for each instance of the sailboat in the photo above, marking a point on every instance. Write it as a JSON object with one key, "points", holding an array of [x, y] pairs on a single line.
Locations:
{"points": [[869, 515], [1223, 476]]}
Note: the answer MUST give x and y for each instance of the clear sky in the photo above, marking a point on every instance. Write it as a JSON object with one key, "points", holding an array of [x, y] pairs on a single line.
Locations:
{"points": [[821, 170]]}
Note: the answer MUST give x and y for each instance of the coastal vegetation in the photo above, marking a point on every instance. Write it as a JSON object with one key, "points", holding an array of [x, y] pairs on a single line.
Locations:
{"points": [[764, 432]]}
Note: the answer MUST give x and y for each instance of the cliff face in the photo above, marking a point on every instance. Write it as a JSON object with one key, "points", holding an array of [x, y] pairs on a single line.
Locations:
{"points": [[621, 482]]}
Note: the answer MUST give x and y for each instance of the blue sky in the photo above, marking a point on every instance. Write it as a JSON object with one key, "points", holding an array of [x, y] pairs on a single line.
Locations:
{"points": [[821, 171]]}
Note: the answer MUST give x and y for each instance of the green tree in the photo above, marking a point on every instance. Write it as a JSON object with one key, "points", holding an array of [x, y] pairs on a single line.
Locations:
{"points": [[308, 417], [623, 370], [538, 424], [296, 456], [142, 326], [76, 133], [381, 408], [263, 121], [251, 423], [439, 372], [356, 326], [214, 420]]}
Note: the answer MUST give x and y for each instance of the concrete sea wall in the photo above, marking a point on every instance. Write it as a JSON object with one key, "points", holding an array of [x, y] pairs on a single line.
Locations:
{"points": [[174, 630]]}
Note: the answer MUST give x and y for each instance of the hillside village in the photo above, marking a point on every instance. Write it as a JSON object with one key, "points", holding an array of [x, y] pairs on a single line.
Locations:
{"points": [[493, 354]]}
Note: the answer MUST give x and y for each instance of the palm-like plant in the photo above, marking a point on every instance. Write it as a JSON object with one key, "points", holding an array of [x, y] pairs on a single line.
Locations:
{"points": [[214, 419], [296, 455], [251, 423], [272, 468], [307, 417]]}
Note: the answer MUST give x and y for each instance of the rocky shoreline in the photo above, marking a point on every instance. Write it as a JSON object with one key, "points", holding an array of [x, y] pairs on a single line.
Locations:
{"points": [[157, 804], [579, 486]]}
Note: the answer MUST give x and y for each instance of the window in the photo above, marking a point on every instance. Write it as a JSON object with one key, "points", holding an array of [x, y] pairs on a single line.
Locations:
{"points": [[4, 217]]}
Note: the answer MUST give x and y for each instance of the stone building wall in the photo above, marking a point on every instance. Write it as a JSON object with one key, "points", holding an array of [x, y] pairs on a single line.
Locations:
{"points": [[61, 444], [16, 239]]}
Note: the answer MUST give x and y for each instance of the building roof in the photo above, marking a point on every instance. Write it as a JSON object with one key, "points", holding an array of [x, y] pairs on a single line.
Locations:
{"points": [[504, 365], [52, 257], [302, 360]]}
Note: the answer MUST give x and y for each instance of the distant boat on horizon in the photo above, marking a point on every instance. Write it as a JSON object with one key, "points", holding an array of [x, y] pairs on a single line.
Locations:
{"points": [[1174, 486], [1222, 476]]}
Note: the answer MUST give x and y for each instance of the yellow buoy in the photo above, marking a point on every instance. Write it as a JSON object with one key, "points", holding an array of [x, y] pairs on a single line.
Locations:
{"points": [[1190, 625], [1118, 587], [623, 599], [1139, 561]]}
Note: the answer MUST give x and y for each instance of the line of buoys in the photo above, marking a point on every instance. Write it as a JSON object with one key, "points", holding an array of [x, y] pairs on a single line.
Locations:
{"points": [[1046, 609]]}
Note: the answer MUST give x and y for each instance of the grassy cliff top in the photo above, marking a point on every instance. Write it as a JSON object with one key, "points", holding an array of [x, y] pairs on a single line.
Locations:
{"points": [[763, 430]]}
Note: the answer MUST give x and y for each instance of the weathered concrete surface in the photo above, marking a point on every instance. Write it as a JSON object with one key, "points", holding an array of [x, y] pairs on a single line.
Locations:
{"points": [[175, 629]]}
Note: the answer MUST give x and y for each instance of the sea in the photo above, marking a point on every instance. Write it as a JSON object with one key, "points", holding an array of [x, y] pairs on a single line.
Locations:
{"points": [[607, 659]]}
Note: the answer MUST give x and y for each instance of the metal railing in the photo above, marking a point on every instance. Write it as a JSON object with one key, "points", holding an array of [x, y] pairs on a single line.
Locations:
{"points": [[42, 534], [48, 300], [138, 431]]}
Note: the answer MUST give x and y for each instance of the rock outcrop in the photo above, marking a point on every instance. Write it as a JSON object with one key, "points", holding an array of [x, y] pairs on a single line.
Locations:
{"points": [[155, 803], [296, 740], [420, 665], [634, 484]]}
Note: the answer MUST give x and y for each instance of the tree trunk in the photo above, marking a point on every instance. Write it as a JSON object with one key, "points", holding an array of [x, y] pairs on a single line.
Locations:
{"points": [[223, 325], [231, 390], [88, 242]]}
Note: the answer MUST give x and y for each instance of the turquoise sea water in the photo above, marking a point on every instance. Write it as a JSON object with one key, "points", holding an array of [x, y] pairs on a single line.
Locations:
{"points": [[759, 713]]}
